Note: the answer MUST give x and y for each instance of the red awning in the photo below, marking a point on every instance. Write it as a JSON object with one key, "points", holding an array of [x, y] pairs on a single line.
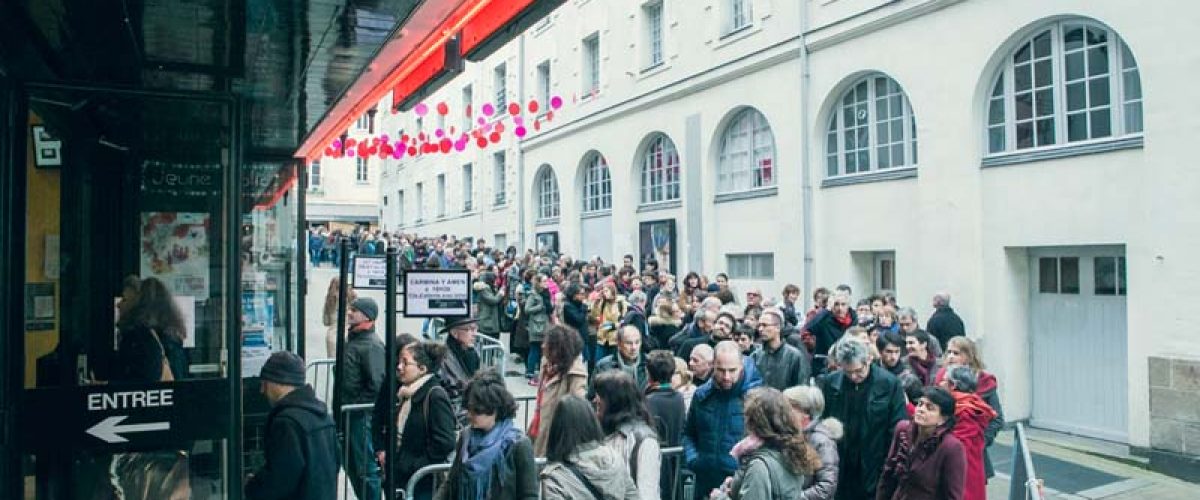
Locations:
{"points": [[416, 57]]}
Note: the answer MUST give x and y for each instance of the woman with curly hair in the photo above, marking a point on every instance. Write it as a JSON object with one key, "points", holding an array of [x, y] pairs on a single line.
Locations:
{"points": [[563, 373], [775, 459]]}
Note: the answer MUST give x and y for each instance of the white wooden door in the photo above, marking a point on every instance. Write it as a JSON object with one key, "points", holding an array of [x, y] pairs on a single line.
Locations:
{"points": [[1078, 337]]}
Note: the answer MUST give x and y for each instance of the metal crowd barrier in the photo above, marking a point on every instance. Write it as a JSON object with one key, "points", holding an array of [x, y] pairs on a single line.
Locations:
{"points": [[1023, 484], [319, 373], [492, 353], [347, 412], [681, 485]]}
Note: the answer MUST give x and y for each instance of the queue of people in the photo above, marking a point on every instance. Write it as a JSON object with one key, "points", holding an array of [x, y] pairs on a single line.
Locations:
{"points": [[843, 400]]}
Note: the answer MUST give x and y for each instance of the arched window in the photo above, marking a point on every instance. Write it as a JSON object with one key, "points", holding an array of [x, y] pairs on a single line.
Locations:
{"points": [[660, 171], [747, 154], [547, 193], [597, 185], [872, 128], [1070, 81]]}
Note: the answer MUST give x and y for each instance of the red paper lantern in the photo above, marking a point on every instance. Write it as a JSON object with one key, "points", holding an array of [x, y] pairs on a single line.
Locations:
{"points": [[443, 109], [481, 142], [495, 137], [533, 106], [514, 109], [412, 151], [446, 145]]}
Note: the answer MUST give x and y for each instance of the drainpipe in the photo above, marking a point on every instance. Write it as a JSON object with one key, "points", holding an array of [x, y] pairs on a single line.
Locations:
{"points": [[806, 189], [521, 145]]}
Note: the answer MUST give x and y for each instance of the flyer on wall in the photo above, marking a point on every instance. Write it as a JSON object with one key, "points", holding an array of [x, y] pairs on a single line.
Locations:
{"points": [[175, 250]]}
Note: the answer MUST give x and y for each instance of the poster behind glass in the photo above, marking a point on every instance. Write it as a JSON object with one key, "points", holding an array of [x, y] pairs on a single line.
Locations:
{"points": [[657, 243]]}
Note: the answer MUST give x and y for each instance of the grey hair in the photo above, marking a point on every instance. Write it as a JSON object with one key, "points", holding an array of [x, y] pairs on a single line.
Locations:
{"points": [[850, 350], [907, 312], [807, 399], [709, 302], [962, 377], [637, 297], [727, 347], [941, 298], [705, 351]]}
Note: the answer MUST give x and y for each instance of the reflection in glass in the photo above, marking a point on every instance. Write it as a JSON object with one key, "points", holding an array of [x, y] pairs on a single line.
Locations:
{"points": [[151, 476], [1048, 275]]}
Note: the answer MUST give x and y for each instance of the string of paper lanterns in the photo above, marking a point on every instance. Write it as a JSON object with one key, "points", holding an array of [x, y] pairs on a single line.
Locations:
{"points": [[489, 129]]}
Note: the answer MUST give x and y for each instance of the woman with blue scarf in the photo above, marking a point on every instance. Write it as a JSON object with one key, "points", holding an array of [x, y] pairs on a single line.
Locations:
{"points": [[494, 459]]}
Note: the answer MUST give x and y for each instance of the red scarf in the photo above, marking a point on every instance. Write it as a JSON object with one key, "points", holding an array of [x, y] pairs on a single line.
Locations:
{"points": [[362, 327], [843, 321]]}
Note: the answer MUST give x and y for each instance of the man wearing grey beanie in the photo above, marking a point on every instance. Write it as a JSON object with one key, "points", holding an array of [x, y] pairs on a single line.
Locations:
{"points": [[362, 375], [300, 437]]}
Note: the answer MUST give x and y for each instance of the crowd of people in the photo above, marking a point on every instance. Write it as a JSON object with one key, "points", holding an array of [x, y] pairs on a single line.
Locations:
{"points": [[768, 398]]}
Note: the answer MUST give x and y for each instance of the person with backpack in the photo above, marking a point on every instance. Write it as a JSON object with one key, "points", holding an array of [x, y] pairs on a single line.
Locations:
{"points": [[774, 459], [425, 419], [626, 421], [579, 465]]}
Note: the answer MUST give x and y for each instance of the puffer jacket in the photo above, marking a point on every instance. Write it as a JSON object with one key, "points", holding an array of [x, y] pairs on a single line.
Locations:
{"points": [[645, 468], [489, 309], [600, 464], [823, 436], [764, 475], [715, 423]]}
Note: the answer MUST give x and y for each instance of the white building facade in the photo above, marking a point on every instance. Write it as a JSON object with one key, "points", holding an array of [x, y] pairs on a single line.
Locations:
{"points": [[1019, 154], [344, 192]]}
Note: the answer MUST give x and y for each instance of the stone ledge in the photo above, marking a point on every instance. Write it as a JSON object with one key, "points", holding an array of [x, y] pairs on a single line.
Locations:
{"points": [[1185, 467], [1175, 405]]}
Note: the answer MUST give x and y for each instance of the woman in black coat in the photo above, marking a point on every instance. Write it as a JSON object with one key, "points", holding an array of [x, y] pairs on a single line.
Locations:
{"points": [[425, 415], [575, 315], [152, 330]]}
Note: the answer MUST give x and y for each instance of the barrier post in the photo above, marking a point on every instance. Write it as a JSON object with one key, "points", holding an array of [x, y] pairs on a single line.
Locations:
{"points": [[343, 289], [389, 377], [1023, 483]]}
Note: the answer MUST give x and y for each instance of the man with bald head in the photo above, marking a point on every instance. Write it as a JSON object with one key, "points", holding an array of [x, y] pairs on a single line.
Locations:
{"points": [[714, 422]]}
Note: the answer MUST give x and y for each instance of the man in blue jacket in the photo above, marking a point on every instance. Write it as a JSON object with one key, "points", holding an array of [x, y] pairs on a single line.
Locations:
{"points": [[714, 421]]}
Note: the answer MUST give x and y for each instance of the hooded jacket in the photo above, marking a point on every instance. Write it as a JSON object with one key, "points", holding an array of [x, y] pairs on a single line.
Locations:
{"points": [[972, 416], [715, 423], [661, 331], [489, 308], [600, 464], [301, 451], [763, 471], [986, 388], [823, 436]]}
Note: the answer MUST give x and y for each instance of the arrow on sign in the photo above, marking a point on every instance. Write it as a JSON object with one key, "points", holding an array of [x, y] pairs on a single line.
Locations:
{"points": [[109, 431]]}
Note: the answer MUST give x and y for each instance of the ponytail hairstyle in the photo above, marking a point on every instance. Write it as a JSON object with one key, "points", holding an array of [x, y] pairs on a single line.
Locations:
{"points": [[768, 415]]}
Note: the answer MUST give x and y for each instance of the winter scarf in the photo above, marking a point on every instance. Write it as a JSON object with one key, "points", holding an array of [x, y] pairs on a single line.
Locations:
{"points": [[362, 327], [483, 459], [468, 357], [843, 321], [405, 395], [746, 446]]}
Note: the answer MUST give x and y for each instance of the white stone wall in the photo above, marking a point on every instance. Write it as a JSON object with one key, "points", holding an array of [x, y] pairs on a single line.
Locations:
{"points": [[953, 226]]}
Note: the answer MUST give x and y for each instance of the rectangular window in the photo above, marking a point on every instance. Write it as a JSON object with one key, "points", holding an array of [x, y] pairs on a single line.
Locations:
{"points": [[420, 126], [591, 65], [500, 241], [1110, 275], [361, 174], [543, 86], [1048, 275], [750, 266], [885, 271], [420, 202], [363, 122], [501, 86], [739, 15], [468, 188], [441, 195], [498, 178], [653, 13], [400, 207], [1058, 275], [314, 176], [468, 95]]}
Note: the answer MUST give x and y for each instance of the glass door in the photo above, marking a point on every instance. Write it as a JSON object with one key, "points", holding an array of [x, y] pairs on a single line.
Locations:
{"points": [[131, 296]]}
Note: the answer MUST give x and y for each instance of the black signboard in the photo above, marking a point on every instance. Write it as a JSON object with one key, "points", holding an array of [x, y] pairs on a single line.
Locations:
{"points": [[124, 416]]}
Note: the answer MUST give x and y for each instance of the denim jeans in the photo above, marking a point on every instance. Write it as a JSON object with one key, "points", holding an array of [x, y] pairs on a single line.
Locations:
{"points": [[534, 360], [362, 470]]}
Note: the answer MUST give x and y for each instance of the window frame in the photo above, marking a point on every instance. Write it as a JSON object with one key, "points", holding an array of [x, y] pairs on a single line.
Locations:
{"points": [[420, 202], [362, 170], [735, 22], [836, 130], [754, 261], [549, 197], [467, 100], [591, 65], [544, 84], [400, 206], [499, 179], [441, 196], [500, 84], [314, 175], [725, 164], [468, 187], [1120, 62], [597, 185], [652, 12], [666, 174]]}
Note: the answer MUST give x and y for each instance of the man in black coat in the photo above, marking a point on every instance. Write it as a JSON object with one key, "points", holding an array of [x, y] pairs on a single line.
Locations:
{"points": [[869, 401], [362, 375], [944, 324], [666, 408], [636, 315], [780, 364], [300, 439]]}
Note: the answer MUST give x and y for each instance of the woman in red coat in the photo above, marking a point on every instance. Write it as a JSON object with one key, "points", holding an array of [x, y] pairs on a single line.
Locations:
{"points": [[963, 351], [972, 417], [925, 461]]}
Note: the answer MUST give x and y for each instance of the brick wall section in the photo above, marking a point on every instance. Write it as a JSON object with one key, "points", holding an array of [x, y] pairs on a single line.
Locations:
{"points": [[1175, 405]]}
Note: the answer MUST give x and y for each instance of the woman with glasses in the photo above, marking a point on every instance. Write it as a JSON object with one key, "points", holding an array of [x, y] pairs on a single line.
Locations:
{"points": [[494, 459]]}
